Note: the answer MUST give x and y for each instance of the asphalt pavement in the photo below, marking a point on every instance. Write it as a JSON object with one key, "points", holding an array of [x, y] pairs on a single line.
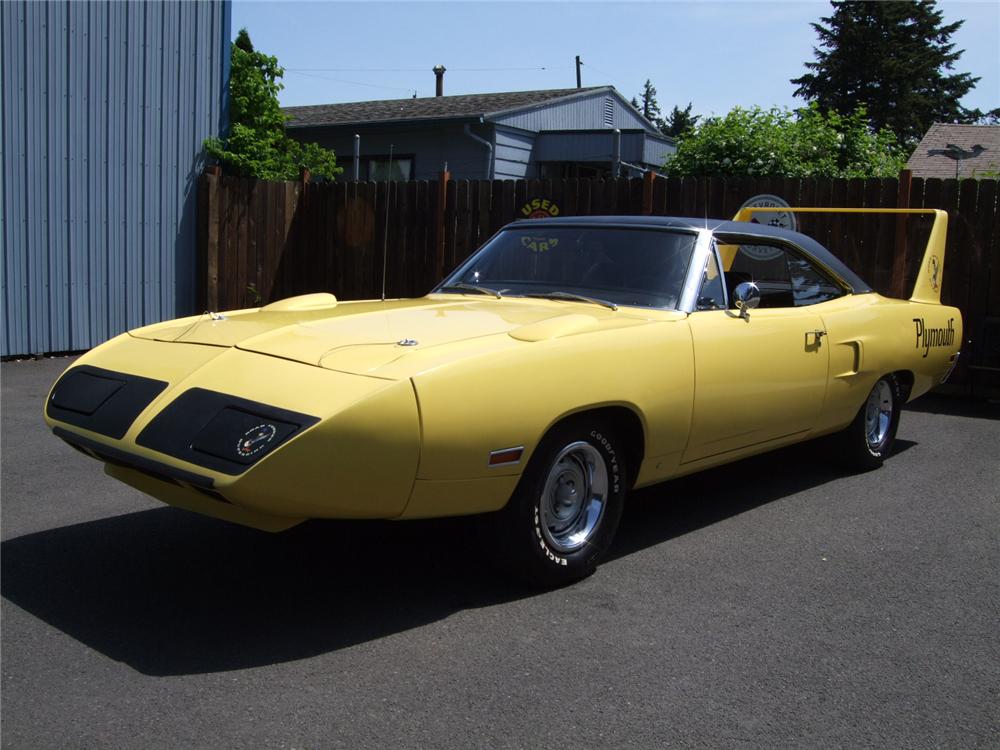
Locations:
{"points": [[776, 602]]}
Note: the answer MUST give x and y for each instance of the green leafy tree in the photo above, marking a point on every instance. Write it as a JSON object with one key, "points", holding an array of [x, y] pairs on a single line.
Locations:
{"points": [[781, 143], [257, 145], [893, 59], [679, 122]]}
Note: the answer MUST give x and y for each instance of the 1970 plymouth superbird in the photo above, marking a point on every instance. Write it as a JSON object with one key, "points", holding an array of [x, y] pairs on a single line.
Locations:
{"points": [[565, 362]]}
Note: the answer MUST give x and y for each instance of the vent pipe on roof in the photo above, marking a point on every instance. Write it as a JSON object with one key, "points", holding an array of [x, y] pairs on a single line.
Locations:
{"points": [[616, 167], [439, 83], [357, 157]]}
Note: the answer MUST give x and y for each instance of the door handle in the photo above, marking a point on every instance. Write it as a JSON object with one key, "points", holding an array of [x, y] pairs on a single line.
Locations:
{"points": [[817, 336]]}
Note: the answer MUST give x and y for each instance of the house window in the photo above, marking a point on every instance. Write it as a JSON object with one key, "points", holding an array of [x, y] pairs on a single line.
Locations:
{"points": [[558, 170], [378, 168]]}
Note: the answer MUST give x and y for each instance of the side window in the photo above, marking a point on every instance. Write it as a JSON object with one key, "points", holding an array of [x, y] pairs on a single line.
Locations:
{"points": [[713, 294], [809, 286], [785, 278]]}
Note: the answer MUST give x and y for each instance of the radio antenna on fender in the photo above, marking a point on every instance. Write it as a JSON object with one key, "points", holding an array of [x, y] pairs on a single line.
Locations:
{"points": [[385, 237]]}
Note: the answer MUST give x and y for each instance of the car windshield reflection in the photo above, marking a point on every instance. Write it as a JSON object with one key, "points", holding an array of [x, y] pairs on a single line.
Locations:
{"points": [[608, 265]]}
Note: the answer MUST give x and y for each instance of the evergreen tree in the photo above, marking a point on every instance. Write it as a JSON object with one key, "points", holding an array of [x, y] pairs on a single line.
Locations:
{"points": [[891, 58], [648, 105], [679, 122], [257, 145]]}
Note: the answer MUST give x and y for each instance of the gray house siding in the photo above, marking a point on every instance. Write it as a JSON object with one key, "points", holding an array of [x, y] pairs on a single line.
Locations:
{"points": [[598, 147], [513, 155], [431, 146], [509, 128], [103, 109], [655, 152], [590, 112]]}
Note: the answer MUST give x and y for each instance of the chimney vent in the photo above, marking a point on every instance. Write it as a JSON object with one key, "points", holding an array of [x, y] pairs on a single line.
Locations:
{"points": [[439, 83]]}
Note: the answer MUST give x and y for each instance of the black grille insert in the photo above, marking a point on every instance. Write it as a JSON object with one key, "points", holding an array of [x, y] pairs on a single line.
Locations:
{"points": [[101, 400]]}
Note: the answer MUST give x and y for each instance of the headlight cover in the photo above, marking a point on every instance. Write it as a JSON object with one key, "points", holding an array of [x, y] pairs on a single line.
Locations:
{"points": [[219, 431]]}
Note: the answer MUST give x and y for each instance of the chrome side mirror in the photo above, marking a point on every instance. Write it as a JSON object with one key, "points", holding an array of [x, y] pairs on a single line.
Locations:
{"points": [[746, 297]]}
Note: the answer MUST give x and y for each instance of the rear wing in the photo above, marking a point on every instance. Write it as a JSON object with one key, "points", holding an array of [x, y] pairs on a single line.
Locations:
{"points": [[928, 285]]}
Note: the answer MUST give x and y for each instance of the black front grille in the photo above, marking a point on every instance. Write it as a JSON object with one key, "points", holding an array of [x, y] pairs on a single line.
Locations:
{"points": [[155, 469], [102, 401], [219, 431]]}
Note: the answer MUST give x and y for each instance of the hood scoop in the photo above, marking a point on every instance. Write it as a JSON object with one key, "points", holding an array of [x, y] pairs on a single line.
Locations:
{"points": [[303, 302], [569, 325]]}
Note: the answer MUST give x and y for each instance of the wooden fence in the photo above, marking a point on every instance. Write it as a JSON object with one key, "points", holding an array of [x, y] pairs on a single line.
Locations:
{"points": [[261, 241]]}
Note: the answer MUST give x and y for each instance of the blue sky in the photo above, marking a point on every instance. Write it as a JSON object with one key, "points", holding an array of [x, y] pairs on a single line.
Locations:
{"points": [[716, 55]]}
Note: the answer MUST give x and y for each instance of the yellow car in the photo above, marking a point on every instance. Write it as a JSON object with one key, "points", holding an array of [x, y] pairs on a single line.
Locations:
{"points": [[564, 363]]}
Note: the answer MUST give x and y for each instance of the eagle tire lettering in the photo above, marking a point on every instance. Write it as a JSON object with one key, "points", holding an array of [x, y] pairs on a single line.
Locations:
{"points": [[549, 554]]}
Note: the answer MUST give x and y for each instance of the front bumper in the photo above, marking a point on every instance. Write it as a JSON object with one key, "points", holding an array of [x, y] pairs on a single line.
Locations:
{"points": [[276, 441]]}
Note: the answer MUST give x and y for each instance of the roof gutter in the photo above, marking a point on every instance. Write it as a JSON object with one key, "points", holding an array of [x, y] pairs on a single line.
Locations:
{"points": [[489, 149]]}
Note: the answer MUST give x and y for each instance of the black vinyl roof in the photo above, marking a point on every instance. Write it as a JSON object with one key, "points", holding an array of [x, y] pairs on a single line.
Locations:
{"points": [[717, 226]]}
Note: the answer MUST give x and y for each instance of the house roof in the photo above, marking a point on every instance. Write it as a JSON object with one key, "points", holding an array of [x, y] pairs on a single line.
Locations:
{"points": [[427, 108], [978, 145]]}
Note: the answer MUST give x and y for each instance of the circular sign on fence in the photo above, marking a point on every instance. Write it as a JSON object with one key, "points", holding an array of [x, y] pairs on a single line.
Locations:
{"points": [[783, 219], [539, 208]]}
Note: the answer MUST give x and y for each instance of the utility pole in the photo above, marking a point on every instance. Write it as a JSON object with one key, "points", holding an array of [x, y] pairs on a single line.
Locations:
{"points": [[578, 63]]}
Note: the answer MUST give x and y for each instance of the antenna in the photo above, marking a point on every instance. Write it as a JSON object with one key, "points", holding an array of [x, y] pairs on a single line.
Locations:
{"points": [[705, 183], [385, 237]]}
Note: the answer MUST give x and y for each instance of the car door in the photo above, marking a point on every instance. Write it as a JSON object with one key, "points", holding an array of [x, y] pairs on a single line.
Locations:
{"points": [[762, 376]]}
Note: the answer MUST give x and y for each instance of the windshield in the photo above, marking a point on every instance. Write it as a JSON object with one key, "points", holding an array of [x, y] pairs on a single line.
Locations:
{"points": [[641, 267]]}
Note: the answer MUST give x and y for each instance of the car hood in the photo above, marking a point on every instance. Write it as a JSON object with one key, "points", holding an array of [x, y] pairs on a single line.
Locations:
{"points": [[395, 338]]}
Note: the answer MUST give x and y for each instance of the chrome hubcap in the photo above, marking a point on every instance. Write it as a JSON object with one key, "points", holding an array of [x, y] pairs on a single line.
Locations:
{"points": [[878, 414], [574, 496]]}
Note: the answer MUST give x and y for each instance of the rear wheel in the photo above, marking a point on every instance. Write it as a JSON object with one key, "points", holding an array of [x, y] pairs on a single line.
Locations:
{"points": [[565, 510], [868, 440]]}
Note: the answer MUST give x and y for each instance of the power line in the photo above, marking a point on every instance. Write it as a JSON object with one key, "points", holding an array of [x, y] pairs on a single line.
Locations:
{"points": [[353, 83], [413, 70], [610, 76]]}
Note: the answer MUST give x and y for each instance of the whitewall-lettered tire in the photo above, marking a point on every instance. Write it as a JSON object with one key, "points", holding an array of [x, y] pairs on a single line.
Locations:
{"points": [[868, 440], [565, 510]]}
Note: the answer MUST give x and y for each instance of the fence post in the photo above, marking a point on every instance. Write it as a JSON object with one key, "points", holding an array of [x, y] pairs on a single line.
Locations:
{"points": [[899, 259], [647, 192], [208, 238], [439, 237]]}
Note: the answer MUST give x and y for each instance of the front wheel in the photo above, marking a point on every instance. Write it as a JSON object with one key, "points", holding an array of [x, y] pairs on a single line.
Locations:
{"points": [[868, 440], [565, 510]]}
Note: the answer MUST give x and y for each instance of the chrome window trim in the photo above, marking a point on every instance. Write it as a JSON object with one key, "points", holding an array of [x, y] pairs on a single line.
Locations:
{"points": [[791, 247], [722, 274], [688, 302]]}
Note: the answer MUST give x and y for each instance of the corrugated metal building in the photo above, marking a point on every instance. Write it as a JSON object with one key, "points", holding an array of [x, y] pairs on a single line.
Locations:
{"points": [[505, 136], [105, 106]]}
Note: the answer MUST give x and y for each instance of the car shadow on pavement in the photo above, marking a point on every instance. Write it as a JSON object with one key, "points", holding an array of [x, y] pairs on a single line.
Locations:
{"points": [[169, 592], [957, 407], [672, 509]]}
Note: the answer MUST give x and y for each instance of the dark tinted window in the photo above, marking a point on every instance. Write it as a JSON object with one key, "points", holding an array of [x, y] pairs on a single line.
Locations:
{"points": [[785, 278], [625, 266], [712, 295]]}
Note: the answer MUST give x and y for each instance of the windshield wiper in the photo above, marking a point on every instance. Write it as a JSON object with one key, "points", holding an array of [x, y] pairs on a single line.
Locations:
{"points": [[462, 286], [571, 296]]}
